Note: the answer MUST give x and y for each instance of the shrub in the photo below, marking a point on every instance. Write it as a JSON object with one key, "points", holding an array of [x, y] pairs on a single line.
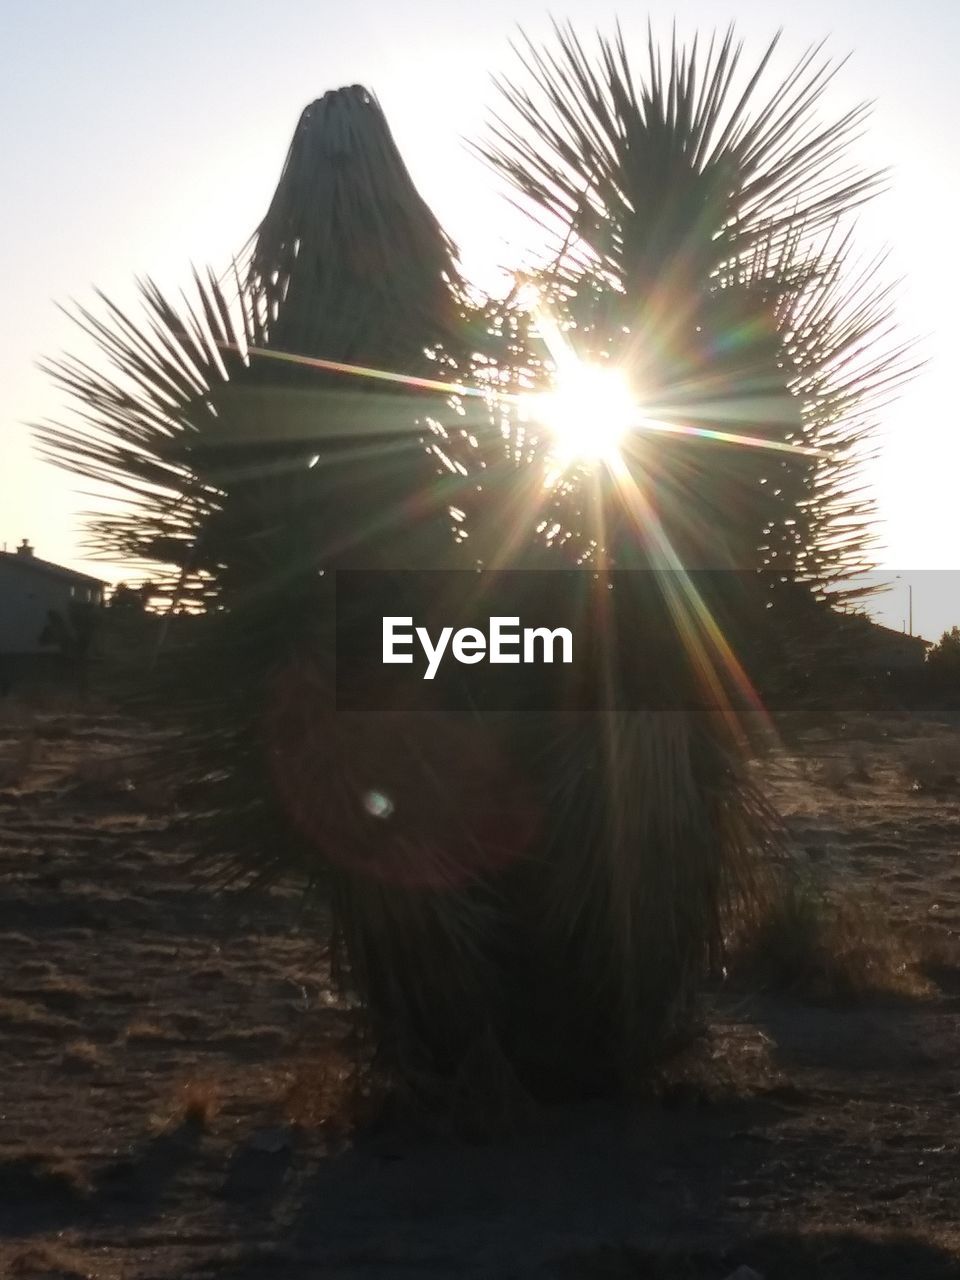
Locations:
{"points": [[825, 947]]}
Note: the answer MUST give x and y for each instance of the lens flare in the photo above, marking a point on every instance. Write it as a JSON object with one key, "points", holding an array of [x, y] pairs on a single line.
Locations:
{"points": [[378, 804], [587, 414]]}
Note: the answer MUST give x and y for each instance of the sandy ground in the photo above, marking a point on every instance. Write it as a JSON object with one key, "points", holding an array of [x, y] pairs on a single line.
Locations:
{"points": [[128, 995]]}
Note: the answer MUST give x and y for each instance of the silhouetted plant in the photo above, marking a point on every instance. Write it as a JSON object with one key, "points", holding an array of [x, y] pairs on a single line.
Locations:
{"points": [[703, 247], [538, 892], [943, 660]]}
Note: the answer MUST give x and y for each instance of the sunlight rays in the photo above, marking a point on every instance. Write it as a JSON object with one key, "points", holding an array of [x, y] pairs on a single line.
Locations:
{"points": [[354, 370], [586, 416], [717, 667], [588, 413], [590, 422]]}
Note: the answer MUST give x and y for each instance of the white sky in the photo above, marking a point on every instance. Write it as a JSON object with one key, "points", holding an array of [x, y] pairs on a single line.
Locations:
{"points": [[139, 139]]}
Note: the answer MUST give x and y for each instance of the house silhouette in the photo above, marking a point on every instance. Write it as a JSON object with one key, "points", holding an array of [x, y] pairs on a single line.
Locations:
{"points": [[30, 590]]}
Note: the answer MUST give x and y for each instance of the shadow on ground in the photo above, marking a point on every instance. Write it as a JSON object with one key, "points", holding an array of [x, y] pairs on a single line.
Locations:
{"points": [[777, 1256]]}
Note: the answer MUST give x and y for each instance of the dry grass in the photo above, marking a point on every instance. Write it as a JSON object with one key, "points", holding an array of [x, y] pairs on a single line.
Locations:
{"points": [[141, 1031], [940, 957], [154, 795], [932, 764], [860, 764], [20, 1015], [336, 1089], [34, 1177], [838, 771], [19, 759], [717, 1065], [96, 775], [324, 1091], [42, 969], [100, 776], [826, 947], [62, 992], [81, 1055], [195, 1105], [52, 1262], [22, 940]]}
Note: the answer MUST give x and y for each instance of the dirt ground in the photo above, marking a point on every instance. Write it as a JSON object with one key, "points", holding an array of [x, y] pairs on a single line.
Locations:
{"points": [[155, 1040]]}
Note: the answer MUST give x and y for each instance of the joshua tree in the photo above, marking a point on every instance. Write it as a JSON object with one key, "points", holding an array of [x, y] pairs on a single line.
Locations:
{"points": [[705, 250], [288, 424], [545, 889]]}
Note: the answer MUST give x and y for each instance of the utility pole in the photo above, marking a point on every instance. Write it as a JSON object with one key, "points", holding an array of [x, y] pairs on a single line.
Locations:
{"points": [[909, 618]]}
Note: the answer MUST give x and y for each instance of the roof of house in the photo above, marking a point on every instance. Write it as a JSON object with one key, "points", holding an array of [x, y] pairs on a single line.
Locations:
{"points": [[876, 633], [891, 636], [30, 563]]}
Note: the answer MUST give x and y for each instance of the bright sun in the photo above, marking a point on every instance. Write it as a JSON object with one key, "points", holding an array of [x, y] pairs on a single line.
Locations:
{"points": [[587, 414]]}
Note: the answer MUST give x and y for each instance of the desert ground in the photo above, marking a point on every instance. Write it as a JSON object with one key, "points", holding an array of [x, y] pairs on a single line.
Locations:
{"points": [[172, 1058]]}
